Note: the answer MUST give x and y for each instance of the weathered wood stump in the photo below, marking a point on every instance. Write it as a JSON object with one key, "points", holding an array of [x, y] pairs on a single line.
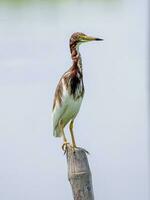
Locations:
{"points": [[79, 174]]}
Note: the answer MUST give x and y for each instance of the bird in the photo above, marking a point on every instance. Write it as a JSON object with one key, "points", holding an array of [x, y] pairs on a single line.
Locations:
{"points": [[69, 92]]}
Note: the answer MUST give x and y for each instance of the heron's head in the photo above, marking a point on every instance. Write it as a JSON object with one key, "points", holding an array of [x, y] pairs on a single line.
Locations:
{"points": [[79, 38]]}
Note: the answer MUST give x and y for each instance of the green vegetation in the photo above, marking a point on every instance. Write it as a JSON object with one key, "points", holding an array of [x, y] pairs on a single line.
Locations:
{"points": [[19, 2]]}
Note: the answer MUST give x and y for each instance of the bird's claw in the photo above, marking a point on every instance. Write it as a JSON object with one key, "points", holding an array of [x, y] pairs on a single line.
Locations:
{"points": [[74, 148], [84, 150], [67, 145], [64, 146]]}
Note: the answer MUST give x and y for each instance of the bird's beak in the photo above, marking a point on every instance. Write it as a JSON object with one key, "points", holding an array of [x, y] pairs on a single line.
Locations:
{"points": [[89, 38]]}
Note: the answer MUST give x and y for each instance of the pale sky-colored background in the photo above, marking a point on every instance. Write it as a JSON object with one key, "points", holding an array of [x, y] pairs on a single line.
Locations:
{"points": [[113, 120]]}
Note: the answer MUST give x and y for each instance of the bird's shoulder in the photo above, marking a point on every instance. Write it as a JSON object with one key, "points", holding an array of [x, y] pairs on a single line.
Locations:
{"points": [[68, 83], [63, 82]]}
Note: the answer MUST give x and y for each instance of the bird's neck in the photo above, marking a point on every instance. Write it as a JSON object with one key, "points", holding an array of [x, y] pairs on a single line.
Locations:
{"points": [[76, 57]]}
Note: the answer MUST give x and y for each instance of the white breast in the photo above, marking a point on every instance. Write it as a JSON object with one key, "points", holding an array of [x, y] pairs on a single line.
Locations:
{"points": [[72, 107], [68, 109]]}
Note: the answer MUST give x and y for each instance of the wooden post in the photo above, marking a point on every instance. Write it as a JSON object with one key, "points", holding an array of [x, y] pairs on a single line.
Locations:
{"points": [[79, 174]]}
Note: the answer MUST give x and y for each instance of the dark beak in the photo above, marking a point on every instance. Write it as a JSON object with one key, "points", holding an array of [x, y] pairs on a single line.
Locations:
{"points": [[99, 39]]}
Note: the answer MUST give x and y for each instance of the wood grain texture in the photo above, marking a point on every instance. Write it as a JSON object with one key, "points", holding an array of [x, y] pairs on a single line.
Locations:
{"points": [[79, 174]]}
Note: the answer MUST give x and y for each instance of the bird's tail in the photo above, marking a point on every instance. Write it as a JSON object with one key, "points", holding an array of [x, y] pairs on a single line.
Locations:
{"points": [[57, 132]]}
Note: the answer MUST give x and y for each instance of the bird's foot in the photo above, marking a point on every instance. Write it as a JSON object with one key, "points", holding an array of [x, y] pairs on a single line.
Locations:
{"points": [[65, 146], [74, 148], [84, 150]]}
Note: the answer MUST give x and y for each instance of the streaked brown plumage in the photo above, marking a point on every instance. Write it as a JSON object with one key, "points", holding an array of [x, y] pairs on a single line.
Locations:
{"points": [[70, 90]]}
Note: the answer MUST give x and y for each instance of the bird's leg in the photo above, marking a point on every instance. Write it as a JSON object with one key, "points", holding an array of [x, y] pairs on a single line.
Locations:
{"points": [[64, 146], [72, 135]]}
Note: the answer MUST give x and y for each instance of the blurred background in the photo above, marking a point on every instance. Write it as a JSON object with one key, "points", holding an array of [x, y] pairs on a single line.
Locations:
{"points": [[113, 121]]}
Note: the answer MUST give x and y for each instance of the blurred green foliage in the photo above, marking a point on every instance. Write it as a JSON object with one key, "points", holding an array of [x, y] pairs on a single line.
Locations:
{"points": [[19, 2]]}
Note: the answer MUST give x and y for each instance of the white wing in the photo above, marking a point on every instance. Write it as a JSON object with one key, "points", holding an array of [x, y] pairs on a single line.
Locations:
{"points": [[58, 111], [57, 114]]}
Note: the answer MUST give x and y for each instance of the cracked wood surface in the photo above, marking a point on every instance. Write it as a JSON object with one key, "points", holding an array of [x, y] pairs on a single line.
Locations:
{"points": [[79, 174]]}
